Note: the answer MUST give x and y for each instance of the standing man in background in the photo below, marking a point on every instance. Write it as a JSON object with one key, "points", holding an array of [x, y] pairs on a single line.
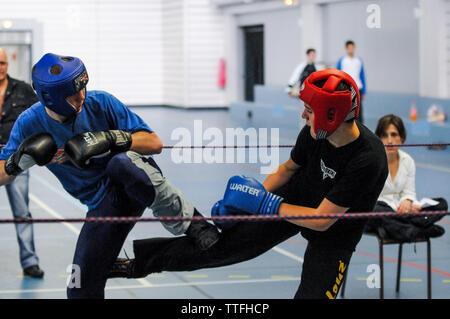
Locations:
{"points": [[15, 97], [301, 72], [353, 66]]}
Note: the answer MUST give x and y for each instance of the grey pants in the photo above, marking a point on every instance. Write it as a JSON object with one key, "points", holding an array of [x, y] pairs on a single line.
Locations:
{"points": [[168, 201]]}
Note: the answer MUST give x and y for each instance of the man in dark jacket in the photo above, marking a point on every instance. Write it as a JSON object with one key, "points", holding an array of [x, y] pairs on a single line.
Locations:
{"points": [[15, 97]]}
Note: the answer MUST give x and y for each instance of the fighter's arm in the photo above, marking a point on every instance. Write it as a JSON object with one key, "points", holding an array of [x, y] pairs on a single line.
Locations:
{"points": [[281, 175], [363, 171], [146, 143], [4, 178], [36, 149], [81, 148], [248, 195], [325, 207]]}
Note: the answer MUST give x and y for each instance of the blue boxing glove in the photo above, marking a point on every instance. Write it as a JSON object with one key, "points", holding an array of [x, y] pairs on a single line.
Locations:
{"points": [[249, 195], [219, 210]]}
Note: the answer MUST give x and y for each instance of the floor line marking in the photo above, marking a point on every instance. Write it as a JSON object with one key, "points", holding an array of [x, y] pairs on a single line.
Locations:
{"points": [[434, 167], [168, 285], [144, 282], [238, 276], [437, 271], [411, 279], [287, 254], [59, 192], [363, 253], [361, 278], [52, 212], [280, 277]]}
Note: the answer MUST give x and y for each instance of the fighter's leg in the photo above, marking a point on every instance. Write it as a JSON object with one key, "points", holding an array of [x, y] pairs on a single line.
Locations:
{"points": [[244, 241], [144, 182], [99, 245], [324, 267]]}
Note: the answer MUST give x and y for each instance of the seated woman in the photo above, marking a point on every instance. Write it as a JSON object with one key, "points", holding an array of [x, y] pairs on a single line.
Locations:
{"points": [[399, 192]]}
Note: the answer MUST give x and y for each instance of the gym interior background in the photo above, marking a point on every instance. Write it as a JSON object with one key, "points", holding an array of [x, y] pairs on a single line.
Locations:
{"points": [[227, 62]]}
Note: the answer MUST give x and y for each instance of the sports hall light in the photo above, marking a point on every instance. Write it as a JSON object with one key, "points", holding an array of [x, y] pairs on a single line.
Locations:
{"points": [[7, 24], [290, 2]]}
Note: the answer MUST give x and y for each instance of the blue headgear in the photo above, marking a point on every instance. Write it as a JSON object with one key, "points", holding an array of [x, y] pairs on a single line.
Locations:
{"points": [[57, 77]]}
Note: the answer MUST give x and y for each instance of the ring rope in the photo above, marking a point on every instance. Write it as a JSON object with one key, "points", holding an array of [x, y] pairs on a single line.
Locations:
{"points": [[280, 146], [290, 146], [110, 219]]}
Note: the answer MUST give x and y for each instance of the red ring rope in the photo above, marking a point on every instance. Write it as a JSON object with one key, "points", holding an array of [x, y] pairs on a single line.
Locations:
{"points": [[278, 146], [221, 218]]}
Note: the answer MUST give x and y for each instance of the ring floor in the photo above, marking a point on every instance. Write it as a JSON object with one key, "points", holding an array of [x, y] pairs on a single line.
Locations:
{"points": [[275, 274]]}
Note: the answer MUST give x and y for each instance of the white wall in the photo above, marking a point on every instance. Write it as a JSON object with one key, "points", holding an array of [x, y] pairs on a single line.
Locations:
{"points": [[205, 46], [390, 53], [434, 37], [119, 41], [143, 51], [407, 54], [167, 52], [173, 52], [282, 42], [193, 43]]}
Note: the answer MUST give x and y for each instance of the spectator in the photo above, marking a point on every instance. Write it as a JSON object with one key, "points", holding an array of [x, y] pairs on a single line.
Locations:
{"points": [[399, 192], [301, 72], [15, 97], [353, 65]]}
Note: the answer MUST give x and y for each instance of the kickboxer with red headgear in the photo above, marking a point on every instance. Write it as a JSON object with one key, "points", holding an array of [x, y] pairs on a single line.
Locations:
{"points": [[336, 166]]}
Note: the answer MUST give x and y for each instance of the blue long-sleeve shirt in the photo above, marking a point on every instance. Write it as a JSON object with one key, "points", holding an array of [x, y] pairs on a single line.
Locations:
{"points": [[101, 112]]}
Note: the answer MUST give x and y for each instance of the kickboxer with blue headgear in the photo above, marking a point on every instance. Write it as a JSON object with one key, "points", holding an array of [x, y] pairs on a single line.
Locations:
{"points": [[55, 78], [99, 151]]}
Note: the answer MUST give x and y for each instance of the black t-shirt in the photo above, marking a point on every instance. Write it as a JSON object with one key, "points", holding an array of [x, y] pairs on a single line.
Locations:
{"points": [[18, 97], [349, 176]]}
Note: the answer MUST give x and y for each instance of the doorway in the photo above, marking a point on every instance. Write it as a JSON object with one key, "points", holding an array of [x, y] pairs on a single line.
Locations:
{"points": [[17, 45], [253, 59]]}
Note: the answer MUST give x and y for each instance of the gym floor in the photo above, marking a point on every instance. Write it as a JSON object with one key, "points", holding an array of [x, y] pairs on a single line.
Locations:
{"points": [[275, 274]]}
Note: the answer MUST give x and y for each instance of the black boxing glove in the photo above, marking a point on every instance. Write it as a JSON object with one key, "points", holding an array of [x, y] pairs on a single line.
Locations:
{"points": [[36, 149], [81, 148]]}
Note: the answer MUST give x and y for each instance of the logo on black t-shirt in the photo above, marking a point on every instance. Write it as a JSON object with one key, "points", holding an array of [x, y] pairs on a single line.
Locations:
{"points": [[327, 172]]}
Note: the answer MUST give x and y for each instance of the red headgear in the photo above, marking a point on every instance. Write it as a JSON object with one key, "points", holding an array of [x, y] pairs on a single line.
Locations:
{"points": [[330, 107]]}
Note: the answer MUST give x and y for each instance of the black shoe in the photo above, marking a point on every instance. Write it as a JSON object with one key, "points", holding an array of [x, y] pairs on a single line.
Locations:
{"points": [[434, 231], [203, 233], [122, 268], [33, 272]]}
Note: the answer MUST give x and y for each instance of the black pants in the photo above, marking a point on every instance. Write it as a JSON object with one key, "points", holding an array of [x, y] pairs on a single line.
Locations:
{"points": [[376, 225], [99, 244], [325, 259]]}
